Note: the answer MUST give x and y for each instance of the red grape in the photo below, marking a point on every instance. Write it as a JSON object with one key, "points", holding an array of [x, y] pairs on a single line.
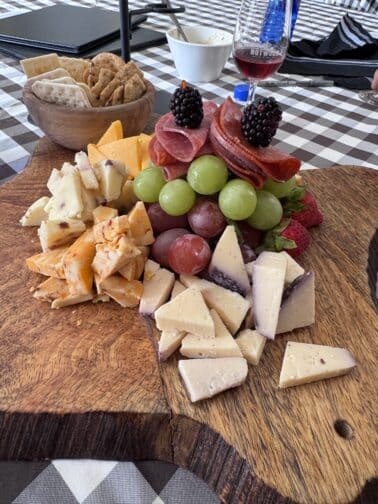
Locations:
{"points": [[206, 219], [250, 235], [161, 221], [189, 254], [159, 250]]}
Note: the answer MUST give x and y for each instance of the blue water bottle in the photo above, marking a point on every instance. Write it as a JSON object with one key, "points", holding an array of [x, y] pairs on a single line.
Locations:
{"points": [[274, 21]]}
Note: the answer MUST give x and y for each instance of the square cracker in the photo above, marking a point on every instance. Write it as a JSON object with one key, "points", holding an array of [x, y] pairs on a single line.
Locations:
{"points": [[52, 75], [133, 89], [40, 64], [61, 94], [75, 67]]}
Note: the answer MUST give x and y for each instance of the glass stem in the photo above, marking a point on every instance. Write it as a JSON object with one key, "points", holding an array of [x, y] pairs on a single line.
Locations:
{"points": [[251, 92]]}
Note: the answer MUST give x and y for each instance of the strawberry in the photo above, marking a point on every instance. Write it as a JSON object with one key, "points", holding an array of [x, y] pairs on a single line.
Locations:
{"points": [[289, 235], [301, 206]]}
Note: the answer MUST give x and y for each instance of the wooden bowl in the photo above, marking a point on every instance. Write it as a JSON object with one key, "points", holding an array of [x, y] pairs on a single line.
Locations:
{"points": [[76, 128]]}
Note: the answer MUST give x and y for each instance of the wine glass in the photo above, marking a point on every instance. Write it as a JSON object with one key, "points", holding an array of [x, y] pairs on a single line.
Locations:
{"points": [[261, 39]]}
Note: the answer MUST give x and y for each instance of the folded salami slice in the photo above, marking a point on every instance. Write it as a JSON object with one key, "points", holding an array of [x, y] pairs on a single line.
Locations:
{"points": [[183, 144], [175, 170], [158, 155]]}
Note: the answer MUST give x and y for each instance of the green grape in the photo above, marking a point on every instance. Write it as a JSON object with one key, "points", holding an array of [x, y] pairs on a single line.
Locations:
{"points": [[177, 197], [237, 200], [148, 184], [268, 211], [207, 174], [279, 189]]}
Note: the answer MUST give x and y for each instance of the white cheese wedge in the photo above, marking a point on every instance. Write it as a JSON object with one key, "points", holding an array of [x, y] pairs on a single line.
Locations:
{"points": [[227, 267], [249, 268], [102, 213], [169, 342], [133, 270], [57, 291], [186, 312], [140, 225], [111, 256], [204, 378], [177, 289], [157, 288], [305, 363], [36, 213], [54, 181], [77, 264], [298, 304], [110, 178], [126, 199], [293, 269], [89, 204], [124, 292], [67, 202], [86, 172], [230, 306], [150, 268], [55, 233], [48, 263], [223, 345], [268, 278], [251, 344], [68, 168], [109, 229]]}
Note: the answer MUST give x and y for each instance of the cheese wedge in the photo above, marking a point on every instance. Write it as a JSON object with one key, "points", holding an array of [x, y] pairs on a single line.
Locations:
{"points": [[144, 142], [36, 213], [102, 213], [57, 292], [251, 344], [140, 225], [67, 202], [223, 345], [55, 233], [169, 342], [86, 172], [54, 181], [150, 268], [126, 199], [77, 264], [157, 288], [110, 177], [126, 293], [268, 278], [177, 289], [293, 269], [230, 306], [126, 150], [249, 320], [227, 267], [109, 229], [88, 197], [68, 169], [305, 363], [111, 256], [134, 269], [112, 134], [48, 263], [186, 312], [204, 378], [94, 154]]}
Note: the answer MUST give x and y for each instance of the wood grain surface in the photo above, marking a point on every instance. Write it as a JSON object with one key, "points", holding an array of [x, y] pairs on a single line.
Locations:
{"points": [[84, 381]]}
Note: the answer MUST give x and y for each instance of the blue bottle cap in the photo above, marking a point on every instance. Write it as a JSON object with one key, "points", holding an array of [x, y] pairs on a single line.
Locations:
{"points": [[241, 92]]}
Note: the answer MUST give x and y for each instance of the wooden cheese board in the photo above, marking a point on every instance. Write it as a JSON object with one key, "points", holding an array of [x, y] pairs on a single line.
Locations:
{"points": [[84, 381]]}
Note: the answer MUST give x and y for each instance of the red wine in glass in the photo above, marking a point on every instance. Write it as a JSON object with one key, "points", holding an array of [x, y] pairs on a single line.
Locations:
{"points": [[256, 64]]}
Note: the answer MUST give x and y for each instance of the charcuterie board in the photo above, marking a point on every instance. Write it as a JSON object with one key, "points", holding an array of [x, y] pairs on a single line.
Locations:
{"points": [[84, 381]]}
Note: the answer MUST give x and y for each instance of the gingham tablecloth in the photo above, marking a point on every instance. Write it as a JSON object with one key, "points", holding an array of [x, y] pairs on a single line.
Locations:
{"points": [[321, 126]]}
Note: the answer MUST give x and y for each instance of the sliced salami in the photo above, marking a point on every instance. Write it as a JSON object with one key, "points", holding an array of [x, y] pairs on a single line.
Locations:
{"points": [[158, 155], [175, 170]]}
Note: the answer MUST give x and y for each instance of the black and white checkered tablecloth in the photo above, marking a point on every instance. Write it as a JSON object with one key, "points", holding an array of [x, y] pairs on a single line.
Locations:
{"points": [[322, 126]]}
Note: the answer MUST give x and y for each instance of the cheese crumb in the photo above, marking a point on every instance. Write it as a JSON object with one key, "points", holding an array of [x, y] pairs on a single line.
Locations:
{"points": [[79, 322]]}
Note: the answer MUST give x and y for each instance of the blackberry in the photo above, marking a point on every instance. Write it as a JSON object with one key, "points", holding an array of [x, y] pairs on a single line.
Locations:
{"points": [[260, 121], [186, 106]]}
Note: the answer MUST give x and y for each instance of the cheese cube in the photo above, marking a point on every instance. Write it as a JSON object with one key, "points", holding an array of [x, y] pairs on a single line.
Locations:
{"points": [[169, 342], [111, 256], [86, 172], [48, 263], [305, 363], [110, 177], [204, 378], [36, 213], [67, 202], [186, 312], [55, 233], [124, 292], [157, 287], [102, 213], [77, 264], [140, 225], [54, 181], [223, 345], [251, 344], [177, 289]]}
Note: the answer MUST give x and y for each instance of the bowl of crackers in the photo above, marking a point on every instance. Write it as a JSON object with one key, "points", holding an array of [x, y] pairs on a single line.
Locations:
{"points": [[74, 100]]}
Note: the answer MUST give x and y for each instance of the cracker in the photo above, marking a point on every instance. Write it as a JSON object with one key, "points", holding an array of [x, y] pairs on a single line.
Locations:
{"points": [[40, 64], [104, 78], [61, 94], [128, 70], [108, 91], [74, 66], [117, 98], [134, 89], [108, 60], [62, 80], [93, 101], [53, 74]]}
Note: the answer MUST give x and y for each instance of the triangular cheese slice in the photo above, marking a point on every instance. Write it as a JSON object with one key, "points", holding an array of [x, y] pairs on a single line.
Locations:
{"points": [[169, 342], [186, 312], [157, 287], [205, 378], [144, 142], [293, 269], [177, 289], [126, 150], [227, 267], [223, 345], [305, 363], [112, 134], [94, 154], [48, 263], [251, 344]]}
